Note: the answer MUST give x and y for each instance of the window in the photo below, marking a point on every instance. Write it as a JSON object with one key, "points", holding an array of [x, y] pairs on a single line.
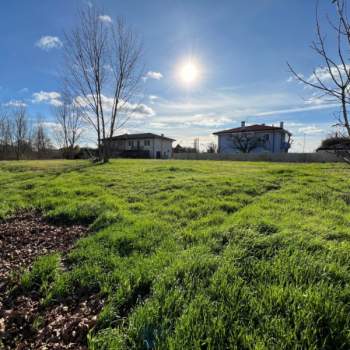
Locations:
{"points": [[147, 143], [130, 143], [266, 137]]}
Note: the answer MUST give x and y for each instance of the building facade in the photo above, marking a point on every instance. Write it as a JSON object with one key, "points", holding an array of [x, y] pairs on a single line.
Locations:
{"points": [[146, 145], [258, 138]]}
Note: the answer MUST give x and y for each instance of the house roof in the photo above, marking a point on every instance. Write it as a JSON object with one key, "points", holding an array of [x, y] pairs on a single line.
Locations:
{"points": [[147, 135], [252, 128]]}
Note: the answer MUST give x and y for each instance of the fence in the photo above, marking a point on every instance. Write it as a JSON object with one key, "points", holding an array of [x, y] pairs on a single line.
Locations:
{"points": [[319, 157]]}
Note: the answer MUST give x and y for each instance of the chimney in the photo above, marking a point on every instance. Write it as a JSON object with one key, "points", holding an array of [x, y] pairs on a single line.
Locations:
{"points": [[281, 125], [242, 124], [162, 135]]}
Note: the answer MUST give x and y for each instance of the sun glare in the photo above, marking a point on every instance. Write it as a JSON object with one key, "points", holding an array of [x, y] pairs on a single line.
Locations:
{"points": [[189, 73]]}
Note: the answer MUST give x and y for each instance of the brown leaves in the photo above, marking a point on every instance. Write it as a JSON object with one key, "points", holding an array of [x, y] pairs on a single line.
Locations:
{"points": [[27, 236], [24, 323], [63, 326]]}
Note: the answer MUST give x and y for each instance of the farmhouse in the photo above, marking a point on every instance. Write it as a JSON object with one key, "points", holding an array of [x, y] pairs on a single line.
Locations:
{"points": [[145, 145], [258, 138]]}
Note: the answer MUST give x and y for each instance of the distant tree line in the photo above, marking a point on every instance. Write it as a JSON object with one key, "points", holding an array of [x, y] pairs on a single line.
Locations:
{"points": [[22, 139]]}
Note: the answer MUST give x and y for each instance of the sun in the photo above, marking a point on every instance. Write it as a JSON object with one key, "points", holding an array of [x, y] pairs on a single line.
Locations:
{"points": [[189, 72]]}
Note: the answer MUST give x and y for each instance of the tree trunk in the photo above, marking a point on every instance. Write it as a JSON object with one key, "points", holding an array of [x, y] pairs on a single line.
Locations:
{"points": [[345, 113], [106, 152]]}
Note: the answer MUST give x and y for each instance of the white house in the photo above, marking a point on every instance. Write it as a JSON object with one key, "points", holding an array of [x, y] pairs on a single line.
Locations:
{"points": [[258, 138], [146, 145]]}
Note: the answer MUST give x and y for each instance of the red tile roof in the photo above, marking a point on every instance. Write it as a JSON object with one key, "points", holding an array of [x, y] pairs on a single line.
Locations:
{"points": [[251, 128]]}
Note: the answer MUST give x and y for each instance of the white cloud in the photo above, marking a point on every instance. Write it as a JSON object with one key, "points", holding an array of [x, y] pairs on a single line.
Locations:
{"points": [[325, 75], [158, 125], [105, 18], [138, 110], [230, 107], [307, 136], [296, 109], [306, 144], [153, 98], [49, 42], [312, 129], [300, 128], [153, 75], [52, 98], [317, 100], [15, 103], [55, 127], [206, 120]]}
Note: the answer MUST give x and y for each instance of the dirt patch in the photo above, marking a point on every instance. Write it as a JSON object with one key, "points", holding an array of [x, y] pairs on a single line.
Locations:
{"points": [[24, 322], [26, 236], [27, 325]]}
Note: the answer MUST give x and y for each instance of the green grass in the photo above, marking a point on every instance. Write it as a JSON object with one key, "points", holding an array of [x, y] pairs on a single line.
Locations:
{"points": [[198, 255]]}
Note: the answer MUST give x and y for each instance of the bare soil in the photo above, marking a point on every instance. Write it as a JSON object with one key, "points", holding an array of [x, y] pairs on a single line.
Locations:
{"points": [[24, 322], [26, 236]]}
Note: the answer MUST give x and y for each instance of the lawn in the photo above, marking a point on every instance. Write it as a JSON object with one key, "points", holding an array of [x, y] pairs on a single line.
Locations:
{"points": [[197, 254]]}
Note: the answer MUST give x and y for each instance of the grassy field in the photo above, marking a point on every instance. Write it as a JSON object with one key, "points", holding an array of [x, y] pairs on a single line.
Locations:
{"points": [[198, 255]]}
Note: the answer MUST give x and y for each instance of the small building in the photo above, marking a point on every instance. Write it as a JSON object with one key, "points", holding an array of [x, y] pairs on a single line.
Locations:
{"points": [[145, 145], [257, 138]]}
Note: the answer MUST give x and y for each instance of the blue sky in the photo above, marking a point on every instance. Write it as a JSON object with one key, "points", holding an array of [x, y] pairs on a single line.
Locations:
{"points": [[240, 47]]}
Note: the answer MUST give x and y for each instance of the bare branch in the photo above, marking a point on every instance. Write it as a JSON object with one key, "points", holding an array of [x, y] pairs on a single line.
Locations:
{"points": [[103, 72], [333, 76]]}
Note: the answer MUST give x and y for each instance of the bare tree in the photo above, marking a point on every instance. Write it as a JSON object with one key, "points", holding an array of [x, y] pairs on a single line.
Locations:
{"points": [[245, 142], [41, 142], [103, 72], [332, 78], [212, 148], [6, 135], [20, 131], [69, 118]]}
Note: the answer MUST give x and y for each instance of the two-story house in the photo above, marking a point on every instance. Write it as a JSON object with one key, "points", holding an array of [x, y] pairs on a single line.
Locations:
{"points": [[145, 145], [257, 138]]}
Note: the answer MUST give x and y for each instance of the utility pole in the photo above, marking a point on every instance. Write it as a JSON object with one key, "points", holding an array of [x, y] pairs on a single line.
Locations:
{"points": [[196, 144]]}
